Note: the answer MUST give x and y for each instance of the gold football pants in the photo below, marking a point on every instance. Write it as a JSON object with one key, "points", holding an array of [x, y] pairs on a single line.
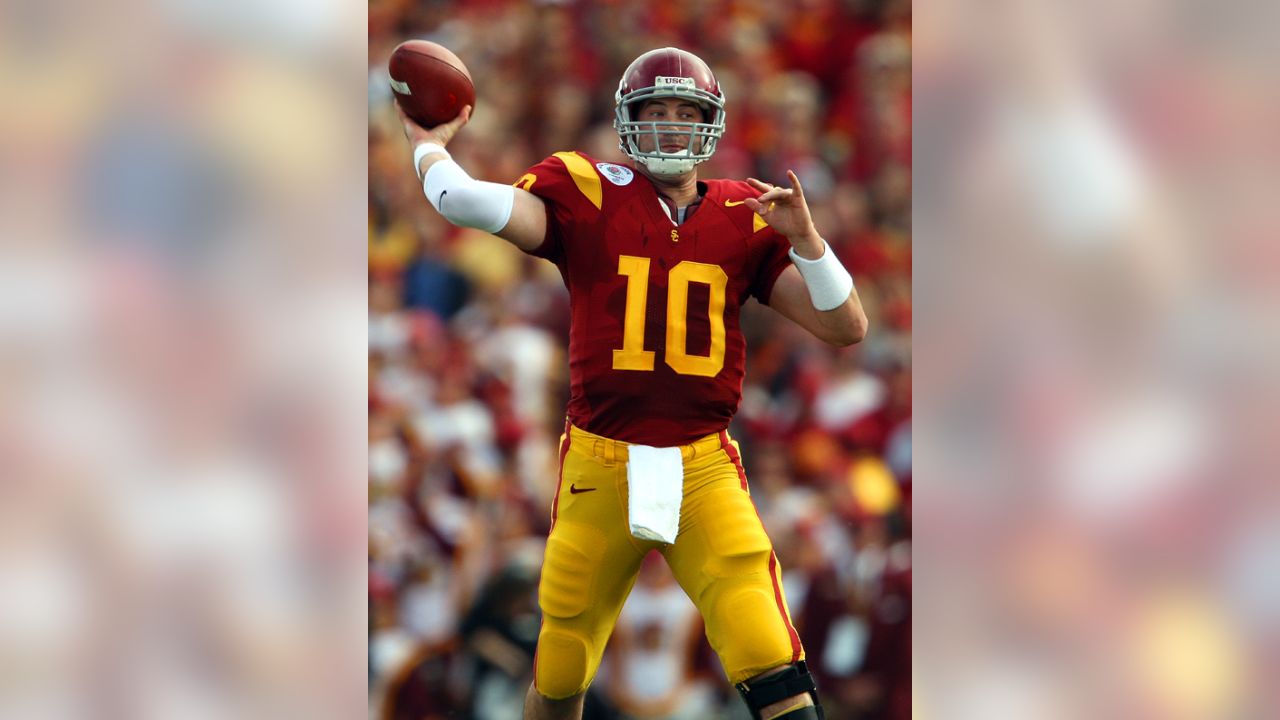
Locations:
{"points": [[722, 558]]}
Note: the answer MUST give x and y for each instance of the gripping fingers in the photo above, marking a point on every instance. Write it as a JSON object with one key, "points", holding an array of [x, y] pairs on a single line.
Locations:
{"points": [[412, 130], [440, 134], [456, 124], [444, 133]]}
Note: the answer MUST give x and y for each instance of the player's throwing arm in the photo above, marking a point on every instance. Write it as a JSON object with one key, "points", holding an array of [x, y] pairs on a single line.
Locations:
{"points": [[435, 98]]}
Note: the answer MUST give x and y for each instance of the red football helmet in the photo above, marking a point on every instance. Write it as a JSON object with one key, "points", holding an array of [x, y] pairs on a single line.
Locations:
{"points": [[663, 73]]}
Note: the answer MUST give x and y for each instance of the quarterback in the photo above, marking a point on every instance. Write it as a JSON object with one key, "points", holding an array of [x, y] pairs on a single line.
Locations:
{"points": [[658, 264]]}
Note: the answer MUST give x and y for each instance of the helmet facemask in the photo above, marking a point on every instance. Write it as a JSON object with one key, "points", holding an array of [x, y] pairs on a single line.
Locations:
{"points": [[701, 137]]}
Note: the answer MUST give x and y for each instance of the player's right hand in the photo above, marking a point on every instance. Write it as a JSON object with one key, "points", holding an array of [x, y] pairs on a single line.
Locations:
{"points": [[440, 134]]}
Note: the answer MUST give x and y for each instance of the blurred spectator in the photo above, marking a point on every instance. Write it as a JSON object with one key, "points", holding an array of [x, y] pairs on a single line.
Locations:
{"points": [[650, 667], [499, 635]]}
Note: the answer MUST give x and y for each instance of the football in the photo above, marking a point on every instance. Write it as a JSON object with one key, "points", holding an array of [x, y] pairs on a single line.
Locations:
{"points": [[430, 82]]}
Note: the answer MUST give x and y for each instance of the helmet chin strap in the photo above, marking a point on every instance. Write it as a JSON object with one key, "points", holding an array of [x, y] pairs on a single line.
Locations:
{"points": [[667, 167]]}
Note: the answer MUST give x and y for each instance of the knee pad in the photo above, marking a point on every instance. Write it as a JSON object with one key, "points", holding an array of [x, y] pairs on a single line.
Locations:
{"points": [[568, 653], [563, 667], [795, 680], [747, 630]]}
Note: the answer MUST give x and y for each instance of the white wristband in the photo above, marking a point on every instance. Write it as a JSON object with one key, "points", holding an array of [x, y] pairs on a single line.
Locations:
{"points": [[424, 149], [828, 282]]}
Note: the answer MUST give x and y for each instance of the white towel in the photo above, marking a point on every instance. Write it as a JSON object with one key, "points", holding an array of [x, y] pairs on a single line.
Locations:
{"points": [[655, 487]]}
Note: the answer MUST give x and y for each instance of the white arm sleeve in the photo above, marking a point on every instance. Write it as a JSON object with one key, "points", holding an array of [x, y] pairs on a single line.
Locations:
{"points": [[465, 201]]}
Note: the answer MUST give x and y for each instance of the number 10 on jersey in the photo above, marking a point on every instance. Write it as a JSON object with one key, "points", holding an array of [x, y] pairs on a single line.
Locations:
{"points": [[633, 356]]}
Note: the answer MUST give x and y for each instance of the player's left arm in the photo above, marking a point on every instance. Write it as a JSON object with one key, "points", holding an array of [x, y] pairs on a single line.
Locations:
{"points": [[816, 292]]}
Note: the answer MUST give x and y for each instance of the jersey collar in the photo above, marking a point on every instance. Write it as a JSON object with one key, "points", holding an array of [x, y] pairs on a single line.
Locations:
{"points": [[669, 206]]}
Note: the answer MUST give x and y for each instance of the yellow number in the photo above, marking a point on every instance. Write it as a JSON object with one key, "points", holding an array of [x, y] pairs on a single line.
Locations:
{"points": [[633, 356], [678, 310], [526, 181]]}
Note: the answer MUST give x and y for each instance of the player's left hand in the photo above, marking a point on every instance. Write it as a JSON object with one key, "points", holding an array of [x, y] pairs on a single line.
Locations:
{"points": [[784, 209]]}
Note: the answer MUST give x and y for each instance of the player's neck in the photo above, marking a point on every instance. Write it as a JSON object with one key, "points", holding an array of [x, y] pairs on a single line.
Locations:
{"points": [[681, 189]]}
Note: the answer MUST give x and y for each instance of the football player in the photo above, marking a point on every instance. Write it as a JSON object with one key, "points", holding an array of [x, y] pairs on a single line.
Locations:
{"points": [[658, 263]]}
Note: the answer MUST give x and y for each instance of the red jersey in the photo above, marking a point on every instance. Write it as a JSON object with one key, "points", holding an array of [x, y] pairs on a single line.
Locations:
{"points": [[656, 354]]}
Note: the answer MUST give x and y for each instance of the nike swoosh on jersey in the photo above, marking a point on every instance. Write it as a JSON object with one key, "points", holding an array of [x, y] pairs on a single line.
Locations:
{"points": [[732, 203], [574, 489]]}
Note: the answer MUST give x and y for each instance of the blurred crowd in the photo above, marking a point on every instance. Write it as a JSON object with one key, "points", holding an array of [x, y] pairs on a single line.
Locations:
{"points": [[468, 370]]}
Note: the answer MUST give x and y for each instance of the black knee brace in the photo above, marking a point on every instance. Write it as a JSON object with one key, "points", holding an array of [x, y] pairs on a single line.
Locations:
{"points": [[794, 680]]}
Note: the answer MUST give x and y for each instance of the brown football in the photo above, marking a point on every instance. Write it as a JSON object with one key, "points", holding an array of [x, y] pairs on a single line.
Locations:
{"points": [[430, 82]]}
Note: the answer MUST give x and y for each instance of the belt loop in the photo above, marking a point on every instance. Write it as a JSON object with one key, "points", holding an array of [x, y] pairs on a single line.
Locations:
{"points": [[611, 450]]}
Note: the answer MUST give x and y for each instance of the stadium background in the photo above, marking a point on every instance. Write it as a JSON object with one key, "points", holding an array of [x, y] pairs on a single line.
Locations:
{"points": [[468, 375]]}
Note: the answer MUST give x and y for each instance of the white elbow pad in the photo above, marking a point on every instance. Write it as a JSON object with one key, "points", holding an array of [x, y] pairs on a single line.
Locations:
{"points": [[828, 282], [465, 201]]}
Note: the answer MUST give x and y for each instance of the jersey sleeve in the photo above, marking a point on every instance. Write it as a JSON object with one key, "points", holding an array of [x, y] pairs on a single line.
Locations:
{"points": [[569, 186], [771, 249]]}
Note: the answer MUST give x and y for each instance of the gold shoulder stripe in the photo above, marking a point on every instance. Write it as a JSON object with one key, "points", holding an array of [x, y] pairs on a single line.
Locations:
{"points": [[757, 223], [584, 176]]}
